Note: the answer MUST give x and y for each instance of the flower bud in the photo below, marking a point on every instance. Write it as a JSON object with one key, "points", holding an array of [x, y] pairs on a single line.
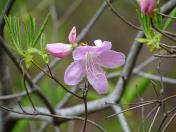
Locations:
{"points": [[72, 35], [147, 6], [59, 50]]}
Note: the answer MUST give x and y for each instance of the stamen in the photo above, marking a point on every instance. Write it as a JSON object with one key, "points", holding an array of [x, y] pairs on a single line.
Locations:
{"points": [[91, 64]]}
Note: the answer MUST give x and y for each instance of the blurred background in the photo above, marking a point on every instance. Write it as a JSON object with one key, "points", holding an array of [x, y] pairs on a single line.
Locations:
{"points": [[68, 13]]}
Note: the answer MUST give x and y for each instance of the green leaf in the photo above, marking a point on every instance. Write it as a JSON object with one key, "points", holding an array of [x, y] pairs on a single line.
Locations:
{"points": [[169, 20], [142, 40], [30, 31], [42, 42], [42, 28], [154, 42], [158, 19], [28, 60], [13, 27], [45, 58]]}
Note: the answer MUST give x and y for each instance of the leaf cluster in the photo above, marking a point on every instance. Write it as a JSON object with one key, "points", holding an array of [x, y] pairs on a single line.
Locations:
{"points": [[153, 38], [25, 33]]}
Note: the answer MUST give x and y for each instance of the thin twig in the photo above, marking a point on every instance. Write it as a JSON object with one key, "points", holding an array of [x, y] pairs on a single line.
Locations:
{"points": [[169, 122], [99, 104], [28, 95], [165, 56], [142, 114], [165, 15], [5, 11], [121, 17], [161, 32], [130, 109], [53, 77], [37, 113], [50, 75], [16, 96], [65, 99], [154, 119], [85, 92], [27, 76], [166, 114]]}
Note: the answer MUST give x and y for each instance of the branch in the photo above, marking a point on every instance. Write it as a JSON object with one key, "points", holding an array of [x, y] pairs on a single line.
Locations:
{"points": [[99, 104], [6, 11], [115, 96], [28, 78], [121, 117]]}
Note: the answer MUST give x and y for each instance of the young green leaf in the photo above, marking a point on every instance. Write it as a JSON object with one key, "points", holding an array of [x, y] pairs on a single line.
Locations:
{"points": [[169, 20], [13, 27], [42, 42], [40, 31]]}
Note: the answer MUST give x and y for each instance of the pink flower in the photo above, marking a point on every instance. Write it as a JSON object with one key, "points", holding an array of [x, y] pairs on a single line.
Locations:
{"points": [[89, 60], [61, 50], [147, 6]]}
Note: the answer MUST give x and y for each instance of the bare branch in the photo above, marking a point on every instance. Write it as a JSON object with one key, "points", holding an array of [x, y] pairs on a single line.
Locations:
{"points": [[121, 117]]}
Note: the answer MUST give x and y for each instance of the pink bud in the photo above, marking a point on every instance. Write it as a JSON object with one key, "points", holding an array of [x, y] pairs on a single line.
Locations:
{"points": [[59, 50], [72, 35], [147, 6]]}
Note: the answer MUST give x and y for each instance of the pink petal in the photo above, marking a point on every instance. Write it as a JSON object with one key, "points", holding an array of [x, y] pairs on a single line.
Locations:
{"points": [[80, 52], [72, 35], [59, 50], [97, 79], [111, 59], [98, 43], [147, 6], [104, 45], [74, 73]]}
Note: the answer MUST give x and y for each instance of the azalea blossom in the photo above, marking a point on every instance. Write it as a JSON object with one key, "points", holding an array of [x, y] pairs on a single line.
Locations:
{"points": [[89, 61], [147, 6], [61, 50]]}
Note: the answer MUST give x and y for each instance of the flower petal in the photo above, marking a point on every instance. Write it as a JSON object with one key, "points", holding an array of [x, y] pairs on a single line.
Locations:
{"points": [[111, 59], [72, 35], [80, 52], [98, 43], [59, 50], [100, 47], [74, 73], [97, 79], [147, 6], [105, 45]]}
